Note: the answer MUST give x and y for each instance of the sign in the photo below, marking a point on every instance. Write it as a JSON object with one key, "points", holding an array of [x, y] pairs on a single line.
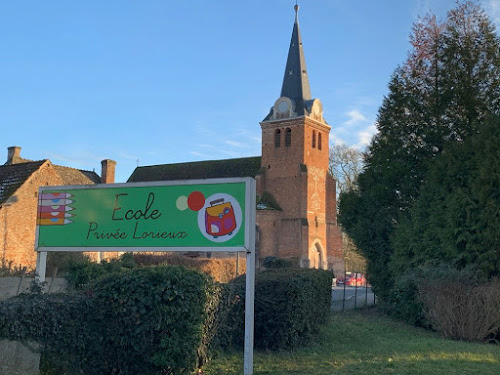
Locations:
{"points": [[194, 215]]}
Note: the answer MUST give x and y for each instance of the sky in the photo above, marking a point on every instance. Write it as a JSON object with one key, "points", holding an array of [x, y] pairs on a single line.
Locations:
{"points": [[160, 81]]}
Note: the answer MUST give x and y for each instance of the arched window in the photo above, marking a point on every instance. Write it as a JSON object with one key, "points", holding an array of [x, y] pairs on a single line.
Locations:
{"points": [[277, 138], [288, 137], [319, 141], [314, 139]]}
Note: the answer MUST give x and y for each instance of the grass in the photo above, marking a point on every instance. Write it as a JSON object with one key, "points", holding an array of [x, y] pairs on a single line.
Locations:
{"points": [[366, 342]]}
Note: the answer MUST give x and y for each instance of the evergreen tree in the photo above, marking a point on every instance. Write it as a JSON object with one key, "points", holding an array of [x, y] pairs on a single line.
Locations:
{"points": [[417, 204]]}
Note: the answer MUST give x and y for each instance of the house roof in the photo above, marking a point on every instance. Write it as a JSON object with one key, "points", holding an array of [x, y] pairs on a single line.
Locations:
{"points": [[12, 176], [241, 167], [72, 176]]}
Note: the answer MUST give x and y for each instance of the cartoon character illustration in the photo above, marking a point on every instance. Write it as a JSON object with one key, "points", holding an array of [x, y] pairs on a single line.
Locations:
{"points": [[219, 218]]}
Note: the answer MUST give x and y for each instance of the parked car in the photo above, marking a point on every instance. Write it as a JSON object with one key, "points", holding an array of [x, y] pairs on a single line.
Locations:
{"points": [[356, 281]]}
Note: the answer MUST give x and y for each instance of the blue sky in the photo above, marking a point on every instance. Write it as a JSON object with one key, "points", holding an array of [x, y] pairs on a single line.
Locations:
{"points": [[152, 82]]}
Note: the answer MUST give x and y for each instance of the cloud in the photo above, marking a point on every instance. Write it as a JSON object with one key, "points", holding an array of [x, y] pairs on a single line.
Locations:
{"points": [[336, 140], [355, 117], [365, 136], [493, 9], [198, 154], [236, 144]]}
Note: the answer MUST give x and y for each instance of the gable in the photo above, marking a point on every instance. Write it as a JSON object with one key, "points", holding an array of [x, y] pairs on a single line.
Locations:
{"points": [[12, 176], [241, 167], [72, 176]]}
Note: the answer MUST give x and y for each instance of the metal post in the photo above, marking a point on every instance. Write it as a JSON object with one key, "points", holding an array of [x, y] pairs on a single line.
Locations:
{"points": [[41, 266], [356, 291], [343, 299], [250, 289], [237, 264], [366, 292]]}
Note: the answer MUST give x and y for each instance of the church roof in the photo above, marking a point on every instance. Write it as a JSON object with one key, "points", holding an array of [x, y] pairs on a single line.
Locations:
{"points": [[295, 81], [241, 167], [295, 87]]}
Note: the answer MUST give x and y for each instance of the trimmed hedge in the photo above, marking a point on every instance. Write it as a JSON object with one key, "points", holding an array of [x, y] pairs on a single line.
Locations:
{"points": [[144, 321], [290, 306]]}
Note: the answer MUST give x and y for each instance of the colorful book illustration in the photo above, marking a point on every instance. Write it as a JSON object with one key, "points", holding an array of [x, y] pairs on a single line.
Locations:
{"points": [[53, 207]]}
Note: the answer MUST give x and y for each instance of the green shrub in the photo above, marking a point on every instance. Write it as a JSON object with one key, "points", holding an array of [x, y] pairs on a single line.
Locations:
{"points": [[83, 271], [143, 321], [290, 306], [274, 262]]}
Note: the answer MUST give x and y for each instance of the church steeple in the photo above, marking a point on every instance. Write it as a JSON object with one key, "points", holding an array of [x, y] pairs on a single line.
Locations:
{"points": [[295, 99], [295, 81]]}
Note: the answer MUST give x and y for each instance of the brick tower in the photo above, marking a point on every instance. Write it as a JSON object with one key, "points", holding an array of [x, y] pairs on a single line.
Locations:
{"points": [[294, 176]]}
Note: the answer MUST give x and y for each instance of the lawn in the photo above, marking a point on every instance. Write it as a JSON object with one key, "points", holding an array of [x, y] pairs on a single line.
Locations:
{"points": [[366, 342]]}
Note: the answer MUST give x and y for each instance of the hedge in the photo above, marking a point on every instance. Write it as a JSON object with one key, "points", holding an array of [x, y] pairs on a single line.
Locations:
{"points": [[290, 307], [144, 321]]}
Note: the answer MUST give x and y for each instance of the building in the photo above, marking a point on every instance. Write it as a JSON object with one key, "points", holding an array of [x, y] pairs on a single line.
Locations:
{"points": [[296, 212], [19, 182]]}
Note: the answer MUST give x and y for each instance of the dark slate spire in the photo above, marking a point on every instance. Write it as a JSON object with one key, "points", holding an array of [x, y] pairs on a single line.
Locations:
{"points": [[295, 99], [295, 82]]}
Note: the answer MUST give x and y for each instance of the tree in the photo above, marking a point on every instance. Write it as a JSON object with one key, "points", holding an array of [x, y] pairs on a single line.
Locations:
{"points": [[346, 163], [439, 98]]}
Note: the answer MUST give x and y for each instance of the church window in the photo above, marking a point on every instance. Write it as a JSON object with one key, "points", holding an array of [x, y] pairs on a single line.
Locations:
{"points": [[319, 141], [277, 138], [288, 137], [314, 139]]}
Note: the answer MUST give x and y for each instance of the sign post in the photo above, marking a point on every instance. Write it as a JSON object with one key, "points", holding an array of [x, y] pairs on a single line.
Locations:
{"points": [[216, 215]]}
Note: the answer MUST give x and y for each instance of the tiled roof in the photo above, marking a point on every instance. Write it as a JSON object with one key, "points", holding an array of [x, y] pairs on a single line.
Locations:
{"points": [[12, 176], [242, 167], [17, 159], [72, 176]]}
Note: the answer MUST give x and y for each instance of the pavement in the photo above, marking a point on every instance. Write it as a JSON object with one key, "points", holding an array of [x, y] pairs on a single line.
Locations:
{"points": [[350, 297]]}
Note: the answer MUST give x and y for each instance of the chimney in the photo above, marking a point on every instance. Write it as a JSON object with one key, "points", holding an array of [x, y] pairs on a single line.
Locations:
{"points": [[108, 171], [13, 154]]}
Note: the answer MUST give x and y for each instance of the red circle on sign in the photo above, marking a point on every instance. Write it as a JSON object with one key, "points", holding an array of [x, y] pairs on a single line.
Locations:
{"points": [[196, 201]]}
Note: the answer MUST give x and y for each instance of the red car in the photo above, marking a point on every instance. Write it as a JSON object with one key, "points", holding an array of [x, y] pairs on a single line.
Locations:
{"points": [[356, 281]]}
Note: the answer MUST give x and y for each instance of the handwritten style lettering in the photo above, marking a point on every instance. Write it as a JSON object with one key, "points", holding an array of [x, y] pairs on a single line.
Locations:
{"points": [[147, 213]]}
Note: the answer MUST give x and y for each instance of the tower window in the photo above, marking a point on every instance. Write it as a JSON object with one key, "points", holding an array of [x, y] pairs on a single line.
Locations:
{"points": [[288, 137], [319, 141], [277, 138], [314, 139]]}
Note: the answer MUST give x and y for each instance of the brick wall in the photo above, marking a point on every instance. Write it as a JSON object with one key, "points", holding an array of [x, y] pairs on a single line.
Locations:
{"points": [[18, 220], [296, 175]]}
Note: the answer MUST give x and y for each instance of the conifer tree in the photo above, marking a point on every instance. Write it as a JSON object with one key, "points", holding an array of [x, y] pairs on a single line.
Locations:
{"points": [[414, 202]]}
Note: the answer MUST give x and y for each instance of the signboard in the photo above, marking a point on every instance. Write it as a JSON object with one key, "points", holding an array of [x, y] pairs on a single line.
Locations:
{"points": [[194, 215]]}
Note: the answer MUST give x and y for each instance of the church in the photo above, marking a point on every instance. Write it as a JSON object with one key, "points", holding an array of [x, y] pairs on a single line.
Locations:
{"points": [[296, 209]]}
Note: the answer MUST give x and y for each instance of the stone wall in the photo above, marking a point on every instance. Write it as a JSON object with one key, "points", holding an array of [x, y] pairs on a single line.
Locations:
{"points": [[12, 286], [17, 358]]}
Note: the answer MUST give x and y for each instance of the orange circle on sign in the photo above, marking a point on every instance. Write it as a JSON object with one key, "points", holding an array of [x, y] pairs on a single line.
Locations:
{"points": [[196, 201]]}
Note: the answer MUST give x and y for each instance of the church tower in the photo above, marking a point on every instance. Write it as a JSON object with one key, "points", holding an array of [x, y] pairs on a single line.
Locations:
{"points": [[294, 176]]}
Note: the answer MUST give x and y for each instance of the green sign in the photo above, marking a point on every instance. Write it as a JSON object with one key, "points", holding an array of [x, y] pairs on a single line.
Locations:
{"points": [[158, 216]]}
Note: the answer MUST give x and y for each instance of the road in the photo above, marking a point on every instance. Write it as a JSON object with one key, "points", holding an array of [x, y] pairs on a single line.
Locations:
{"points": [[351, 298]]}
